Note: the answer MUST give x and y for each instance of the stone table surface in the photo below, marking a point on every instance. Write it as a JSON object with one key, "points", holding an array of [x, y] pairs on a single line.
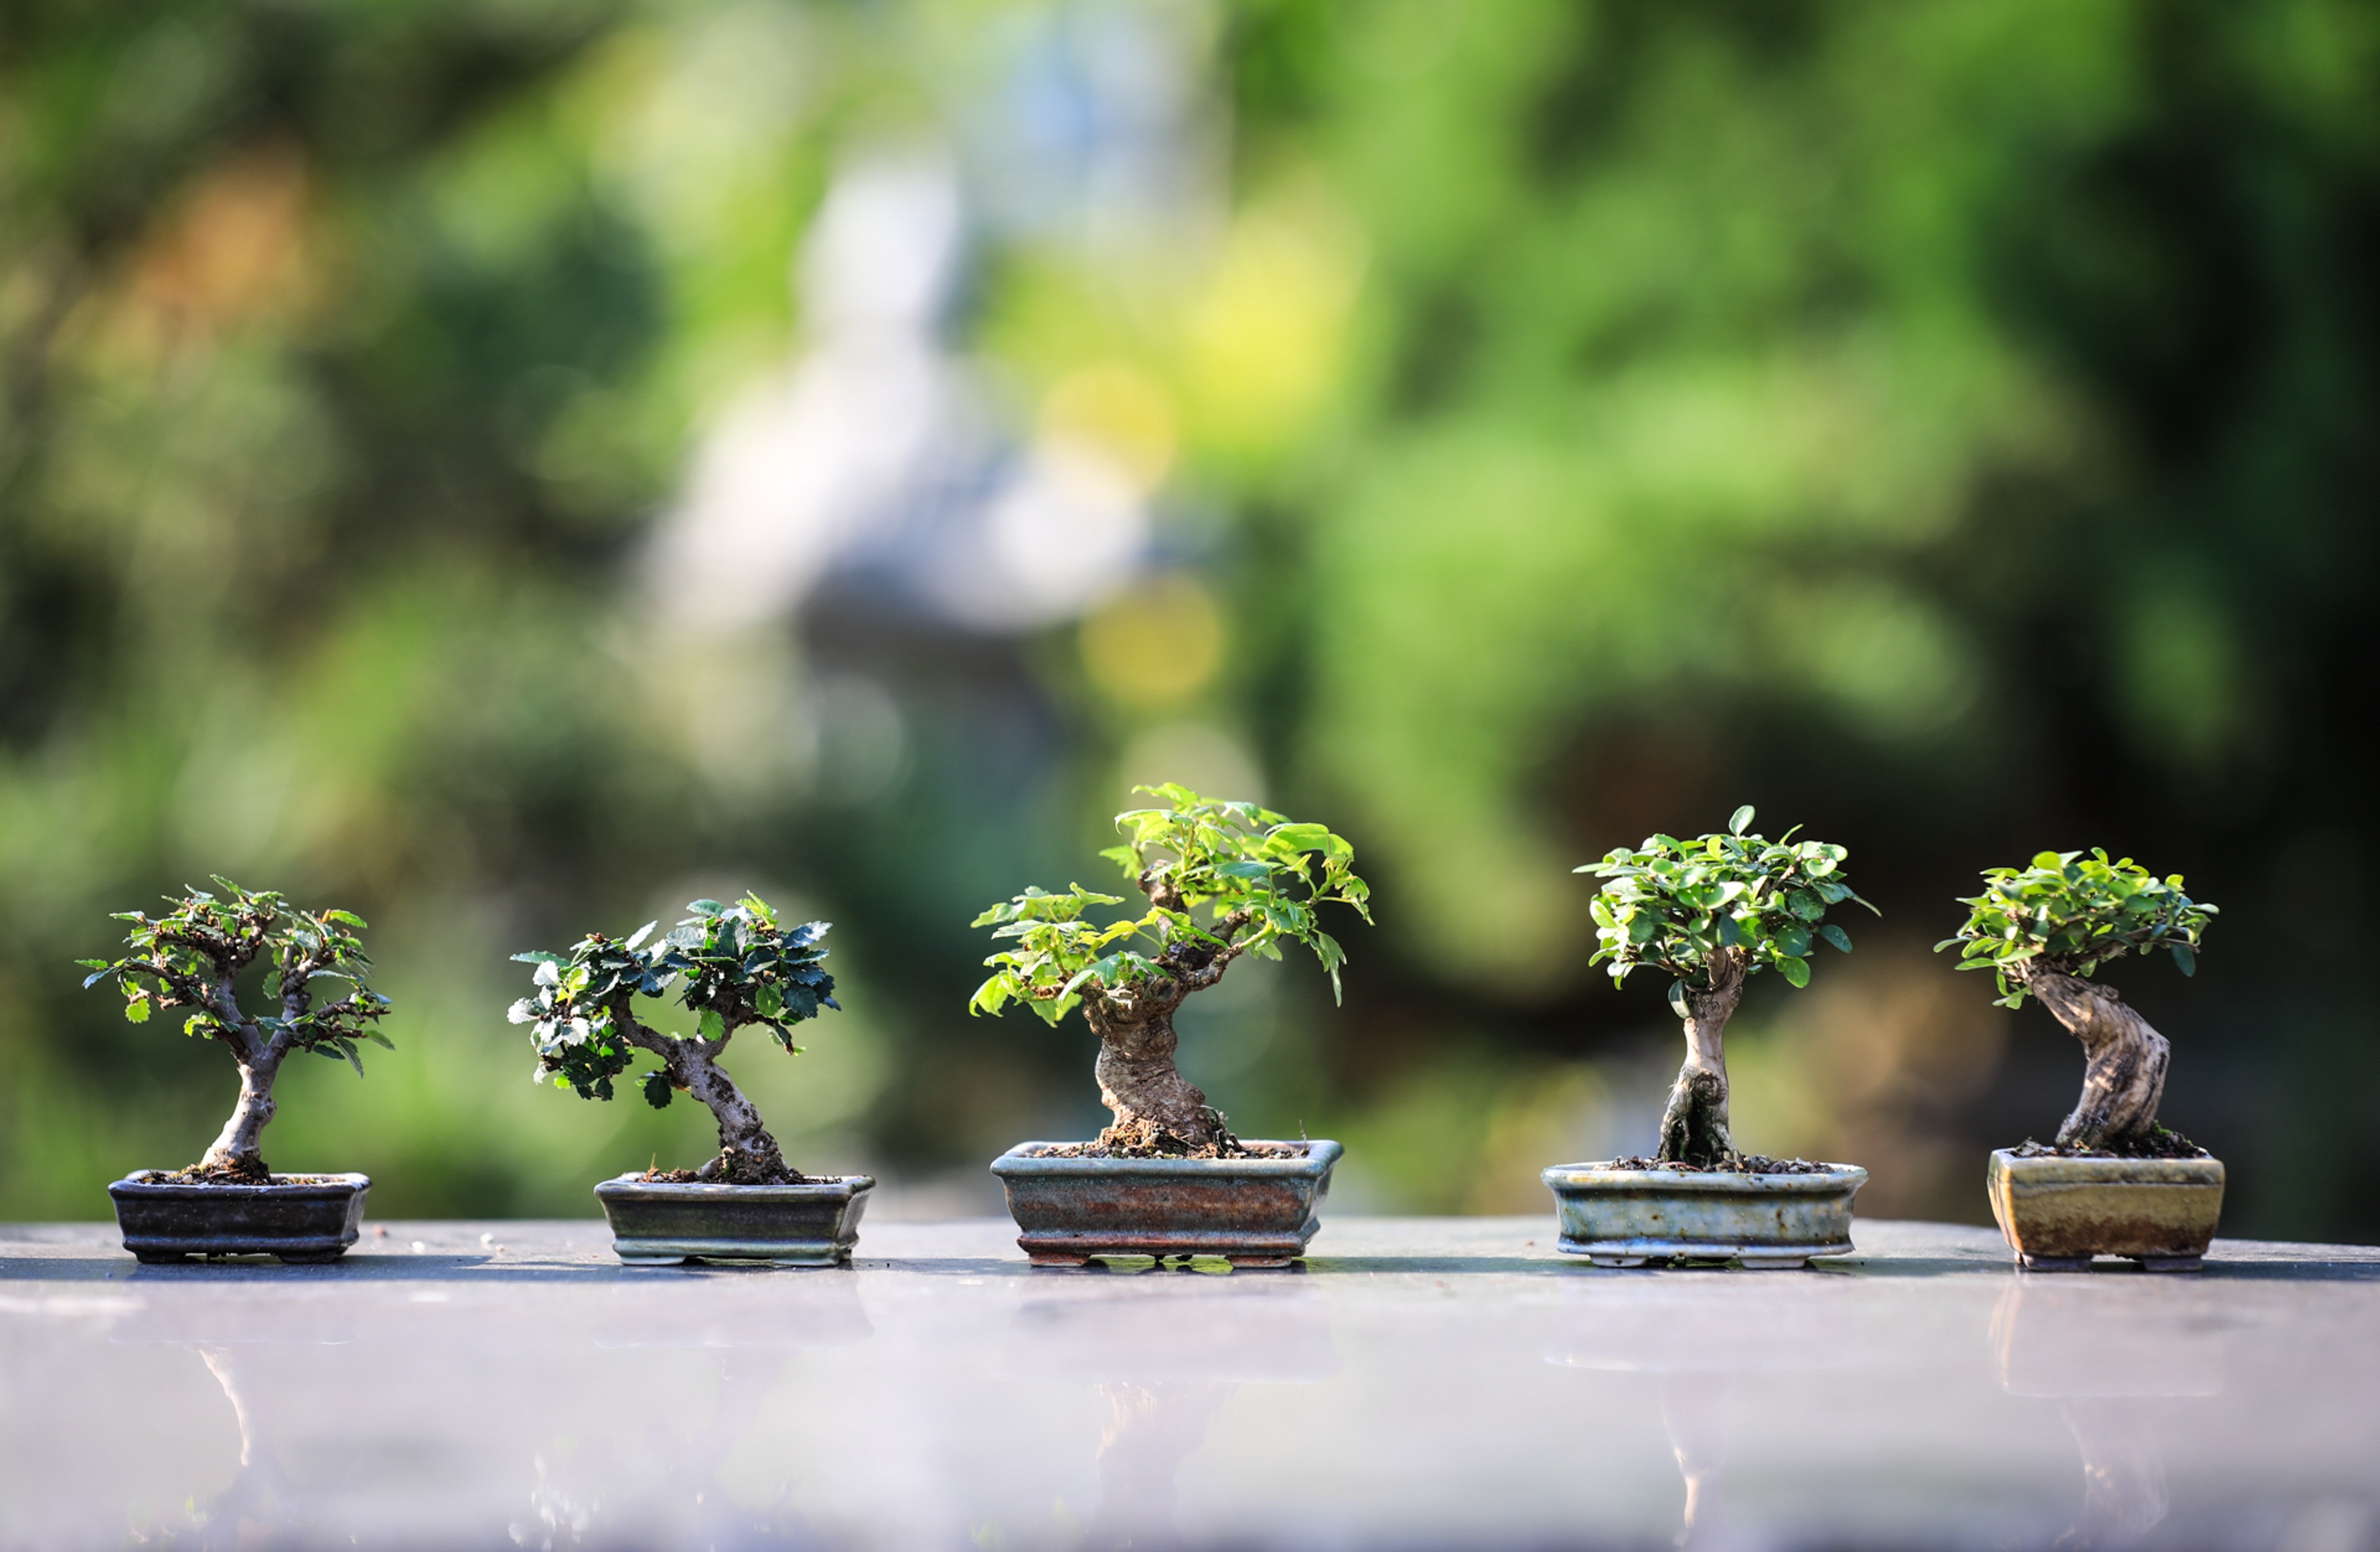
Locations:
{"points": [[1424, 1383]]}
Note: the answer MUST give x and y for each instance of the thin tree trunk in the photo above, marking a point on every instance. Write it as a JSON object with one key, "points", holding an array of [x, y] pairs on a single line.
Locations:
{"points": [[748, 1153], [2124, 1061], [238, 1151], [1155, 1106], [1694, 1126]]}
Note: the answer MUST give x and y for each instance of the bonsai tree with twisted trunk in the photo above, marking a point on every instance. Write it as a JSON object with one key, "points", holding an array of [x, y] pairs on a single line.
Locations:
{"points": [[193, 957], [1223, 879], [732, 966], [2044, 929], [1712, 912]]}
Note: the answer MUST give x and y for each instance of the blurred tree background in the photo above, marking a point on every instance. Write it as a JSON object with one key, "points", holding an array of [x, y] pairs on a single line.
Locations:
{"points": [[511, 468]]}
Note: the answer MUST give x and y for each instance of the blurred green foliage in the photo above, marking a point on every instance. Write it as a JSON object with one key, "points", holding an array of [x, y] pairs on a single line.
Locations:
{"points": [[1949, 421]]}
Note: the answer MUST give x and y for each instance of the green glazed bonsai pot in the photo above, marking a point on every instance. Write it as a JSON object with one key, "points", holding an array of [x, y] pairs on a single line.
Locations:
{"points": [[297, 1218], [1628, 1217], [1258, 1211], [664, 1223]]}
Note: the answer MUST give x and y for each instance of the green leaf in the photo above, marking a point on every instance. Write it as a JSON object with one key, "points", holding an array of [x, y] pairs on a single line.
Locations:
{"points": [[657, 1089], [136, 1009], [711, 1025], [1740, 822], [2185, 959], [1836, 936], [1796, 971]]}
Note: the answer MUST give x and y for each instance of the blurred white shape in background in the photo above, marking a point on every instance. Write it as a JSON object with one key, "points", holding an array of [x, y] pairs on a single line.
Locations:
{"points": [[878, 455]]}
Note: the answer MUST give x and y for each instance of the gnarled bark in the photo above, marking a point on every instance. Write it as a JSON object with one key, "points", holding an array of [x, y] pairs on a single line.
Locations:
{"points": [[748, 1153], [1694, 1126], [1155, 1108], [238, 1150], [2124, 1061]]}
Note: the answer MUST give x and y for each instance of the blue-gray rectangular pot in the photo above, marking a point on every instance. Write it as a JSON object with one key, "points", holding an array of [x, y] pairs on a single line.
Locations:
{"points": [[663, 1223], [297, 1218], [1626, 1218], [1255, 1212]]}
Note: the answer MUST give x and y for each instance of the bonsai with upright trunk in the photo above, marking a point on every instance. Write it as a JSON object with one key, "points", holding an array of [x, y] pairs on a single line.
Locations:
{"points": [[1712, 912], [2044, 929], [1223, 879], [194, 956], [732, 966]]}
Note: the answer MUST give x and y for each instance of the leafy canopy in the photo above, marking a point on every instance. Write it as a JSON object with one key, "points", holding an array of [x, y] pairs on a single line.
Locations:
{"points": [[1674, 905], [2072, 914], [191, 957], [739, 966], [1258, 876]]}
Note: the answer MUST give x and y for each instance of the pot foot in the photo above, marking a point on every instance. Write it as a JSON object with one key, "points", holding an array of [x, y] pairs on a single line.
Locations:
{"points": [[1616, 1260], [2171, 1263], [1775, 1263], [629, 1259], [310, 1257], [1057, 1258], [158, 1257], [2054, 1263], [1258, 1263]]}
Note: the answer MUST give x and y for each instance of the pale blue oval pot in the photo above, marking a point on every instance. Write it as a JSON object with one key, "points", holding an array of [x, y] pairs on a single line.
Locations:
{"points": [[1631, 1218], [297, 1218], [664, 1223], [1254, 1212]]}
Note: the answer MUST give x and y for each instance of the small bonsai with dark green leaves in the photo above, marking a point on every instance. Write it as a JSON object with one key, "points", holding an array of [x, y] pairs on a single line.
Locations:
{"points": [[1710, 914], [192, 958], [732, 966], [1223, 879], [2044, 929]]}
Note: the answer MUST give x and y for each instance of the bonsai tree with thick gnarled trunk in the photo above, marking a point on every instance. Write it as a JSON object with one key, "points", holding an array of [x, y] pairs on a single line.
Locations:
{"points": [[1259, 880], [737, 967], [2044, 929], [1712, 912], [193, 957]]}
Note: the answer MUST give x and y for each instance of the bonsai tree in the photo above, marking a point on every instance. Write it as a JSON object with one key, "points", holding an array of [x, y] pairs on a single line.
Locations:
{"points": [[193, 957], [2044, 929], [1259, 880], [732, 966], [1712, 912]]}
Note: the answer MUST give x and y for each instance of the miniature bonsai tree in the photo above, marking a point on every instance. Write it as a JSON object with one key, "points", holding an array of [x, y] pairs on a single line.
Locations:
{"points": [[732, 965], [1260, 880], [2044, 929], [193, 957], [1712, 912]]}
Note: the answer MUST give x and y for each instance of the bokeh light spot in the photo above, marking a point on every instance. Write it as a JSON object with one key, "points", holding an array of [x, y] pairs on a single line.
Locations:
{"points": [[1154, 644]]}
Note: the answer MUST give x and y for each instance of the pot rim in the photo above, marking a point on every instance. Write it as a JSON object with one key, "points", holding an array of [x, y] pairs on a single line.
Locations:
{"points": [[813, 1189], [1599, 1174], [2110, 1170], [142, 1183], [1320, 1154]]}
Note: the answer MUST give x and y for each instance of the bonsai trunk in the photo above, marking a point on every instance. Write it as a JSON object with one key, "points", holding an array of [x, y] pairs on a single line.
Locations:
{"points": [[748, 1154], [1155, 1106], [1693, 1127], [2124, 1061], [238, 1150]]}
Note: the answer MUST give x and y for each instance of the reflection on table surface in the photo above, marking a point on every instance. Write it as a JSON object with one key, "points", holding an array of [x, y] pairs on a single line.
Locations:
{"points": [[1425, 1382]]}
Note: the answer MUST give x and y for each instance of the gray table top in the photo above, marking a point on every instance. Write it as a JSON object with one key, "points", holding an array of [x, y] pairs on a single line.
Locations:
{"points": [[1436, 1382]]}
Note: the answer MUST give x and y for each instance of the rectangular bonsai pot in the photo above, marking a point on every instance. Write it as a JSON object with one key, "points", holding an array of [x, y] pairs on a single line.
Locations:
{"points": [[297, 1218], [1626, 1218], [660, 1223], [2057, 1213], [1255, 1212]]}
